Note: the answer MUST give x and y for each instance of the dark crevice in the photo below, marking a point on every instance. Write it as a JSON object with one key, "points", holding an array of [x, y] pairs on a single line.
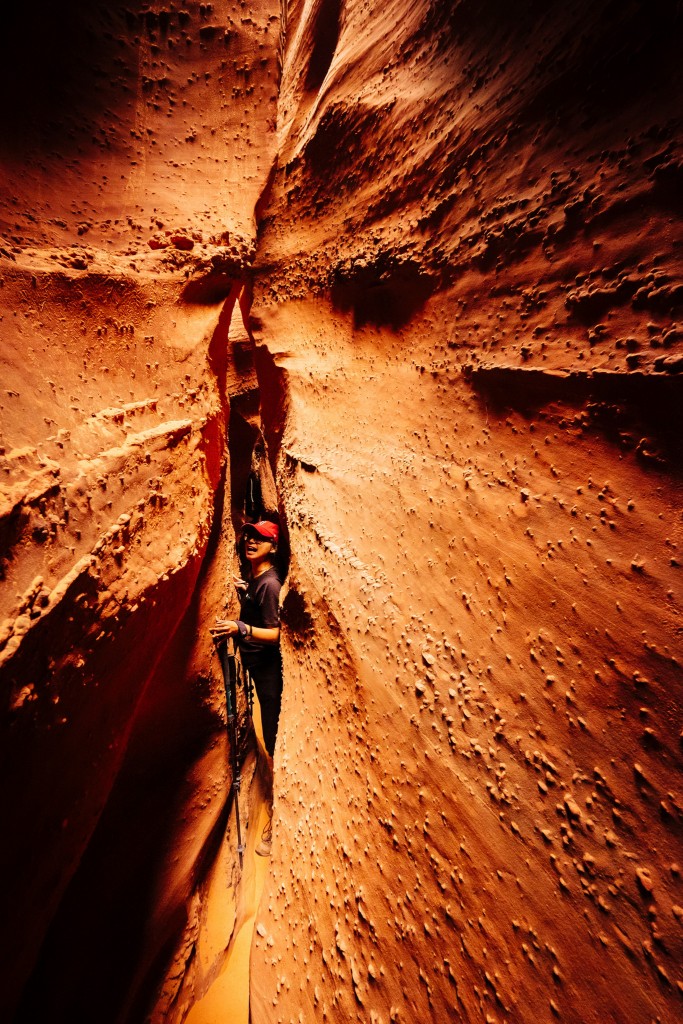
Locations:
{"points": [[210, 288], [252, 452], [640, 412], [91, 961], [325, 38], [385, 296], [57, 99], [274, 402], [243, 434], [298, 619]]}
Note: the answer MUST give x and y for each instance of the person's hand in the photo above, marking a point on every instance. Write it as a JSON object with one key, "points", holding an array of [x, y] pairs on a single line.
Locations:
{"points": [[225, 627], [240, 584]]}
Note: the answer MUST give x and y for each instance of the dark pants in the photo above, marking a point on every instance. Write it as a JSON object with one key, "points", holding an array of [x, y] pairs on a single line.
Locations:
{"points": [[266, 673]]}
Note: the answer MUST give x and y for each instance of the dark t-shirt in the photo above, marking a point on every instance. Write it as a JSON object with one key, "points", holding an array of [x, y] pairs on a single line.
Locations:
{"points": [[260, 607]]}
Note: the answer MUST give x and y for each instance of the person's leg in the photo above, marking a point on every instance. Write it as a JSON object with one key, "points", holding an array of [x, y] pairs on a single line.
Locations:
{"points": [[270, 716], [268, 683]]}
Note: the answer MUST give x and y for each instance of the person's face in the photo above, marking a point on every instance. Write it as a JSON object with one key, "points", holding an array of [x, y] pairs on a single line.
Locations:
{"points": [[256, 546]]}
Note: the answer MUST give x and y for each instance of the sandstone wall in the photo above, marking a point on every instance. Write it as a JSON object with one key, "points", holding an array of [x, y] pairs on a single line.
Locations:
{"points": [[468, 286], [136, 140], [463, 222]]}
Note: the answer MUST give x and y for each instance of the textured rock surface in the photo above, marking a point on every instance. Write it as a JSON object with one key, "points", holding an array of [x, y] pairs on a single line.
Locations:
{"points": [[469, 287], [137, 142], [467, 306]]}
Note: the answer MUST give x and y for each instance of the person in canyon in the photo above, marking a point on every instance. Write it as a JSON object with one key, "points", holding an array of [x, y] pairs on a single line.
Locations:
{"points": [[257, 634]]}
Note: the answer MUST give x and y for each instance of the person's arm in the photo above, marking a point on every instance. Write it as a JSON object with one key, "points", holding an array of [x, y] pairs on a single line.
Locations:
{"points": [[266, 634], [230, 627]]}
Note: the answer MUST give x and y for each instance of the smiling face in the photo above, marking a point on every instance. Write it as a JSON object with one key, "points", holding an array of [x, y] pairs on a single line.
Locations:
{"points": [[256, 548]]}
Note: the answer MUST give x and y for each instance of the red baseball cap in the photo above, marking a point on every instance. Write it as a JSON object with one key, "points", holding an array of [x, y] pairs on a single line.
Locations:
{"points": [[265, 529]]}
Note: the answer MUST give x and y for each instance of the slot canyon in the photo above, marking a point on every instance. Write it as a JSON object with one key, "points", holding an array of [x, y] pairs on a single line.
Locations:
{"points": [[411, 271]]}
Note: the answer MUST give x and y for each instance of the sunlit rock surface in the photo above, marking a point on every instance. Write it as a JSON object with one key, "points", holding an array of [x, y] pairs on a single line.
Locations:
{"points": [[461, 224], [136, 140], [468, 293]]}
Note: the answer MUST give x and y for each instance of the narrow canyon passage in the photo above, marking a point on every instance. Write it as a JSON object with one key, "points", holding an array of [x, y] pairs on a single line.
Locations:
{"points": [[408, 277]]}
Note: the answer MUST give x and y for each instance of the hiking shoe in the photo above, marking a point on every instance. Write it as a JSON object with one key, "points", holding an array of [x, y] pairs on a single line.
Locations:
{"points": [[263, 848]]}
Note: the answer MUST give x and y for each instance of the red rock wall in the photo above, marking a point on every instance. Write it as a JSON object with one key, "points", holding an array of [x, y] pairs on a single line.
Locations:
{"points": [[136, 140], [467, 298], [469, 284]]}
